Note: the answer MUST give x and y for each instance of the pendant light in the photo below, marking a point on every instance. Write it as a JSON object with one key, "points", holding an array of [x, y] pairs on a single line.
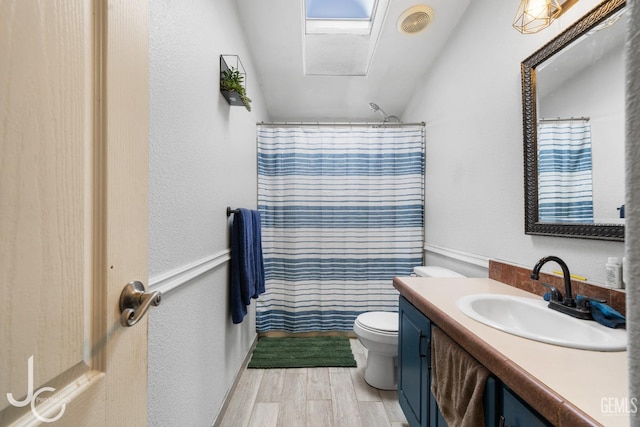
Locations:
{"points": [[536, 15]]}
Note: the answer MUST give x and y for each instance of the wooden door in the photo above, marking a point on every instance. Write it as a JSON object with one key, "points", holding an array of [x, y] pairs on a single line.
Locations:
{"points": [[73, 210]]}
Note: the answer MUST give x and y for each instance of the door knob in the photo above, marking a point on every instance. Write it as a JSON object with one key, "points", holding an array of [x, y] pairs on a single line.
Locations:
{"points": [[134, 302]]}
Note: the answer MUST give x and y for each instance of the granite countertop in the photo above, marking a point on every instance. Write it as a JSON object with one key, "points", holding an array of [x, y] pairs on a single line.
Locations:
{"points": [[569, 387]]}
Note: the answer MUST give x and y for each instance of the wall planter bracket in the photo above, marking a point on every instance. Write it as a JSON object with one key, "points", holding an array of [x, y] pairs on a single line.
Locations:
{"points": [[233, 80]]}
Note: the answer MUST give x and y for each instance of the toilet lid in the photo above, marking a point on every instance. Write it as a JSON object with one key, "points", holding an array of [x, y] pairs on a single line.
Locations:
{"points": [[379, 320]]}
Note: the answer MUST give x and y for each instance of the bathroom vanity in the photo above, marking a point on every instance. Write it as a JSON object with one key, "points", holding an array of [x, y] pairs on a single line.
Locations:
{"points": [[530, 384]]}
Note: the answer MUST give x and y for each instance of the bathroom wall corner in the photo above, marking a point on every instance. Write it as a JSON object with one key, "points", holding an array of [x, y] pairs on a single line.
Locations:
{"points": [[632, 205]]}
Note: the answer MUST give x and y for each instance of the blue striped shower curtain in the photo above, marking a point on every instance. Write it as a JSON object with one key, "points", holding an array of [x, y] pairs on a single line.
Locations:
{"points": [[342, 214], [565, 185]]}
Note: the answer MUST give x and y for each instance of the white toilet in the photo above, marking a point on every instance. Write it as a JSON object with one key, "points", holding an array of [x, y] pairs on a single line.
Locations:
{"points": [[378, 333]]}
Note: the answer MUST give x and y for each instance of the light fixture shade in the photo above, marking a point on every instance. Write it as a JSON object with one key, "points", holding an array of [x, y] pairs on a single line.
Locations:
{"points": [[536, 15]]}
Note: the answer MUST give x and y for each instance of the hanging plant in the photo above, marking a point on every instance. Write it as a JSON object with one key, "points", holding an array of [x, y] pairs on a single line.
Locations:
{"points": [[232, 80]]}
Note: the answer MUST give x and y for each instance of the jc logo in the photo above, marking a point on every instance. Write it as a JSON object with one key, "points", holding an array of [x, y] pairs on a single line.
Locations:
{"points": [[32, 397]]}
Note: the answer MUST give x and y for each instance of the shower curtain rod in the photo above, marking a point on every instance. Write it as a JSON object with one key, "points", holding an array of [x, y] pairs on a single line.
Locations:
{"points": [[558, 119], [345, 124]]}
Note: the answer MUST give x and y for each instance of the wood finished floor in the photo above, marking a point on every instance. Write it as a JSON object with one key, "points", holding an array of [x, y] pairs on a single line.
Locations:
{"points": [[312, 397]]}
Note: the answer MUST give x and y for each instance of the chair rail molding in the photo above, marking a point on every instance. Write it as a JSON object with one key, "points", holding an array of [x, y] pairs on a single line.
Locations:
{"points": [[467, 257], [169, 281]]}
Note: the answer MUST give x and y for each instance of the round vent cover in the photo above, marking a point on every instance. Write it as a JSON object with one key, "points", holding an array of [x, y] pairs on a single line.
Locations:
{"points": [[415, 19]]}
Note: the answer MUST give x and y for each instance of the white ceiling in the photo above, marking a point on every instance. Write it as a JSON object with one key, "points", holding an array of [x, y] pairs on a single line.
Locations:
{"points": [[274, 31]]}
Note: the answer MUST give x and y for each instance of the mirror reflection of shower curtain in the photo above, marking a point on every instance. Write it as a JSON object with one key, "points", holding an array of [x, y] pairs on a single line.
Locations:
{"points": [[565, 183], [342, 214]]}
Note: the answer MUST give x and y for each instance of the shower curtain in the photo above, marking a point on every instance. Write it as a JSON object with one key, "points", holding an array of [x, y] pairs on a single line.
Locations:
{"points": [[342, 214], [565, 188]]}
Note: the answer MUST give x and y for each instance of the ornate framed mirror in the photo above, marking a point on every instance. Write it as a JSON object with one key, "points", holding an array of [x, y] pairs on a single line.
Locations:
{"points": [[573, 102]]}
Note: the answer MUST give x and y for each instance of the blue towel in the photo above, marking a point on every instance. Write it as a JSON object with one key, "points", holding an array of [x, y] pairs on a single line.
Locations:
{"points": [[247, 265], [259, 260], [605, 314], [601, 312]]}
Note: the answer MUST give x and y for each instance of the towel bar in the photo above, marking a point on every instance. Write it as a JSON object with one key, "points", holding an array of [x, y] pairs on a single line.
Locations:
{"points": [[230, 211]]}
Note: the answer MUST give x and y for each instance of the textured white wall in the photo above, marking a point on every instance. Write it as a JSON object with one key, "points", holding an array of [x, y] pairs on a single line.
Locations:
{"points": [[633, 205], [202, 159], [471, 101]]}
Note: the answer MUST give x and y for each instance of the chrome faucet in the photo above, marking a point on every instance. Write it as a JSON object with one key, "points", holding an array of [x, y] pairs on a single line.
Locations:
{"points": [[566, 304]]}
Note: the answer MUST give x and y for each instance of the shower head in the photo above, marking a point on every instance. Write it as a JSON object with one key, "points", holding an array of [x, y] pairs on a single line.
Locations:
{"points": [[374, 107]]}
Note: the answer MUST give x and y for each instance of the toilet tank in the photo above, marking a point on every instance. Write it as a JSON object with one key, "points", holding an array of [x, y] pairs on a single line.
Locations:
{"points": [[434, 271]]}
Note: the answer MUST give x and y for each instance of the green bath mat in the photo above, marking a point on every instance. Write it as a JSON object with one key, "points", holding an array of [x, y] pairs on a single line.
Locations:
{"points": [[291, 352]]}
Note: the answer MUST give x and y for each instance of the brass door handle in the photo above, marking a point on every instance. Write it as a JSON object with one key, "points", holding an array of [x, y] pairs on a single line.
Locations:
{"points": [[134, 302]]}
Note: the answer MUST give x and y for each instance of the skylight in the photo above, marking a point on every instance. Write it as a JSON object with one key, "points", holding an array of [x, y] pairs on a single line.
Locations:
{"points": [[340, 9], [340, 36], [339, 16]]}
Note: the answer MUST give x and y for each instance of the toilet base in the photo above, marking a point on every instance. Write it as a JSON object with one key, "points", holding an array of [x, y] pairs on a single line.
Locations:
{"points": [[381, 371]]}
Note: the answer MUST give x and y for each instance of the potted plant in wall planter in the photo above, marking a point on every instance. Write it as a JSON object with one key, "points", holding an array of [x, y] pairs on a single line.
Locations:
{"points": [[232, 82]]}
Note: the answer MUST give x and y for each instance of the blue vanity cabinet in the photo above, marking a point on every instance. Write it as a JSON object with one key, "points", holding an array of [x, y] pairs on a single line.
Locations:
{"points": [[502, 407], [490, 405], [435, 416], [516, 413], [414, 387]]}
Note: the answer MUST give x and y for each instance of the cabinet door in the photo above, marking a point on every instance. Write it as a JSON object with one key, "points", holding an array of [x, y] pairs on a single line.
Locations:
{"points": [[516, 413], [435, 416], [489, 402], [413, 354]]}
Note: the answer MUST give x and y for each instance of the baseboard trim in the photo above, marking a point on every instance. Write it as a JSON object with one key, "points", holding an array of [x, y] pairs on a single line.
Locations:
{"points": [[467, 257], [171, 280], [232, 389]]}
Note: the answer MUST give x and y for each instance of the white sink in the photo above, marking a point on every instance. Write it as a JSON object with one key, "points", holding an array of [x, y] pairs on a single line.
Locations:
{"points": [[532, 319]]}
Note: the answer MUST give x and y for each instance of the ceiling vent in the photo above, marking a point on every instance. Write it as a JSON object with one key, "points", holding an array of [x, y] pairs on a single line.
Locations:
{"points": [[415, 19]]}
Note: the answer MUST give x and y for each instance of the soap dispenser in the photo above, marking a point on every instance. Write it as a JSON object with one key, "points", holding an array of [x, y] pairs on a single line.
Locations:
{"points": [[614, 273]]}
